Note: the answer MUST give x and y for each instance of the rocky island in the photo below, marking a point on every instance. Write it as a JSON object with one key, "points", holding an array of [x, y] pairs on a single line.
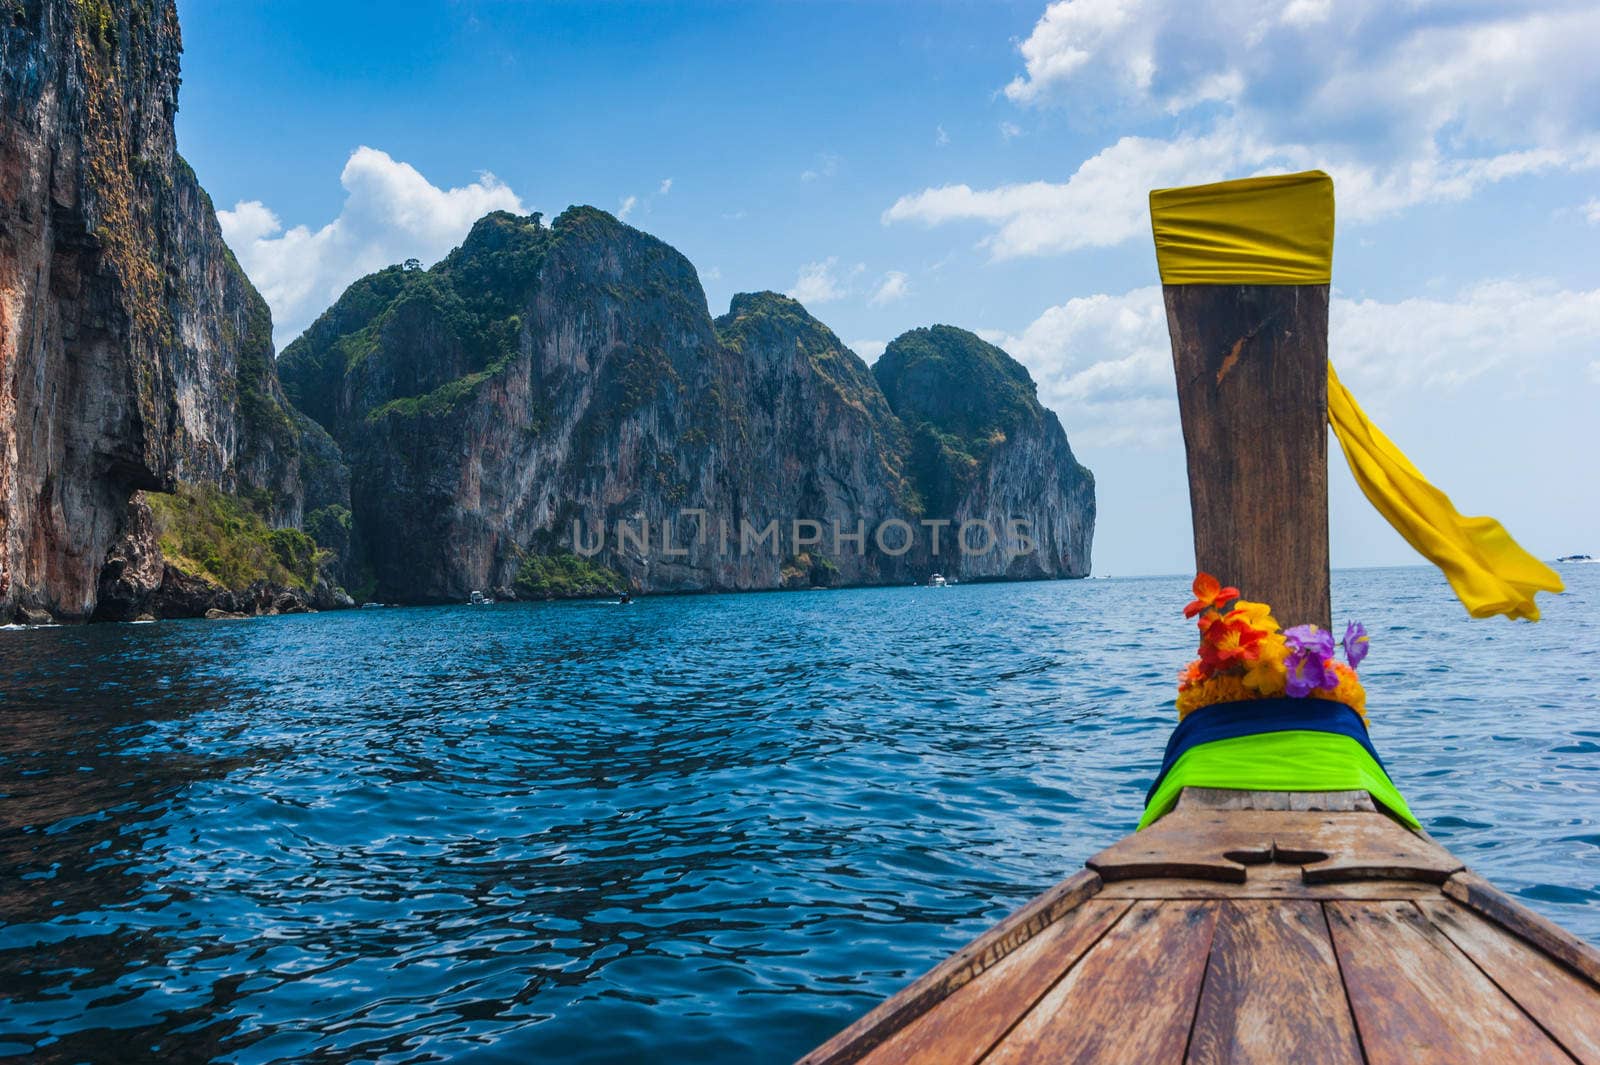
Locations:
{"points": [[550, 410]]}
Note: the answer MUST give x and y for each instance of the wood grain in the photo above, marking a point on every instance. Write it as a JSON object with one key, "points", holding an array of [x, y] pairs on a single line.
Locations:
{"points": [[1201, 844], [1478, 894], [1130, 999], [1418, 1000], [971, 1020], [1235, 799], [1564, 1003], [1259, 886], [1272, 991], [1252, 368], [965, 965]]}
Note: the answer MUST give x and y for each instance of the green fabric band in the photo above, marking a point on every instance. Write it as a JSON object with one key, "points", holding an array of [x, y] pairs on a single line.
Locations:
{"points": [[1280, 761]]}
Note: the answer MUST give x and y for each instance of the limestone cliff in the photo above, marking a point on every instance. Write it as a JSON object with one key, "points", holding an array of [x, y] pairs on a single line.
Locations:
{"points": [[982, 446], [561, 388], [134, 353]]}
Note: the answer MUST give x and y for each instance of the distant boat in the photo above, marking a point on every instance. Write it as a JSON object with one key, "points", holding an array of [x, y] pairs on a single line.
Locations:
{"points": [[478, 598], [937, 581], [1578, 558], [371, 606]]}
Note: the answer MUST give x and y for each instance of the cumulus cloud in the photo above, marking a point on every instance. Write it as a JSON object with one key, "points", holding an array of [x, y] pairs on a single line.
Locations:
{"points": [[869, 350], [626, 207], [390, 213], [894, 286], [1105, 202], [665, 187], [1104, 361], [1403, 104], [821, 282]]}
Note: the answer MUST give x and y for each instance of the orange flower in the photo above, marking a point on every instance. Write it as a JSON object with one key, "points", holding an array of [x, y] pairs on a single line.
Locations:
{"points": [[1226, 641], [1208, 593]]}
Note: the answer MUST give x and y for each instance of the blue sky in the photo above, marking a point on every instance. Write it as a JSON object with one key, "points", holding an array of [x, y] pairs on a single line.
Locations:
{"points": [[984, 164]]}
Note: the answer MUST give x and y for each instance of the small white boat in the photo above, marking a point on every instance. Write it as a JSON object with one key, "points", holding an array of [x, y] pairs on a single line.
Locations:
{"points": [[937, 581], [478, 598]]}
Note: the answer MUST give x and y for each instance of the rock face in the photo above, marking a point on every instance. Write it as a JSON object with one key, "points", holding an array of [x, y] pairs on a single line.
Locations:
{"points": [[134, 353], [561, 388], [982, 445]]}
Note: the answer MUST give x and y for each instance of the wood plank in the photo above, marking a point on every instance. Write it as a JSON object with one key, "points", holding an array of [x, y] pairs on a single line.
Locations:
{"points": [[989, 949], [1235, 799], [1272, 991], [1252, 369], [1200, 844], [1418, 1000], [962, 1028], [1130, 999], [1260, 887], [1564, 1003], [1478, 894]]}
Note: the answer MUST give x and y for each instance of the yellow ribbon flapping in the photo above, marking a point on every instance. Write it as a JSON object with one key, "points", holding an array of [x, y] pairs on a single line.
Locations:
{"points": [[1259, 231], [1489, 571]]}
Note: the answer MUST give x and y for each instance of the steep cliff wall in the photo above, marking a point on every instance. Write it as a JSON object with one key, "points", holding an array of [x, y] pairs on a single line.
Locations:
{"points": [[134, 353], [983, 449], [544, 384]]}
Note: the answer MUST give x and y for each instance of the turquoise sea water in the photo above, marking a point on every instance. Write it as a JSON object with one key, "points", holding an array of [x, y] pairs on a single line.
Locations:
{"points": [[696, 829]]}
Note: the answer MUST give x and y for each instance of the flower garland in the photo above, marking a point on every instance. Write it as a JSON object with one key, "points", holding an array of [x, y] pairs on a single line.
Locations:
{"points": [[1243, 655]]}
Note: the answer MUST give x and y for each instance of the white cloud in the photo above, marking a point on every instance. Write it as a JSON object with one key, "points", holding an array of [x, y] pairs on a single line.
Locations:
{"points": [[665, 187], [711, 274], [1010, 131], [869, 350], [1591, 212], [940, 137], [827, 166], [628, 204], [819, 282], [1105, 202], [1500, 327], [895, 286], [1104, 362], [390, 213], [1403, 104]]}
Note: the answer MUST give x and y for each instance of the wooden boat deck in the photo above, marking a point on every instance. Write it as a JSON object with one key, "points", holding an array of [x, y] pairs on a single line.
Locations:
{"points": [[1254, 927]]}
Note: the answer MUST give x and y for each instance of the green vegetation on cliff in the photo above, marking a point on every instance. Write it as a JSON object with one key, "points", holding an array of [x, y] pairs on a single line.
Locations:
{"points": [[443, 331], [210, 534], [960, 397], [565, 576]]}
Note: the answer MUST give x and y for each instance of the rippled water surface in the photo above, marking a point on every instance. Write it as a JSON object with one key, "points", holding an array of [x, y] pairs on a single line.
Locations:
{"points": [[700, 829]]}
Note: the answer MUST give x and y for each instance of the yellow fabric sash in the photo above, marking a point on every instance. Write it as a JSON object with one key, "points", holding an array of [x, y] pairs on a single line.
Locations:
{"points": [[1279, 231], [1490, 572], [1260, 231]]}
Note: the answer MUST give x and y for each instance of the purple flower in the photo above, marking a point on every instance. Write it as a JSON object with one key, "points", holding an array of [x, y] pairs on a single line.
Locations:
{"points": [[1309, 651], [1355, 643], [1310, 639]]}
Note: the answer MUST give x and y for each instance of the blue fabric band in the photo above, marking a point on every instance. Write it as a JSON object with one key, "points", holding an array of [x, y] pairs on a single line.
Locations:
{"points": [[1226, 721]]}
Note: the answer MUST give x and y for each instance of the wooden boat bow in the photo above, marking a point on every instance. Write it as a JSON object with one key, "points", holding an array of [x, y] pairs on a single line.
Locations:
{"points": [[1262, 925], [1254, 927]]}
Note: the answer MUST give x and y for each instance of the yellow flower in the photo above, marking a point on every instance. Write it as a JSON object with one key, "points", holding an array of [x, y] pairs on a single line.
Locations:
{"points": [[1258, 615]]}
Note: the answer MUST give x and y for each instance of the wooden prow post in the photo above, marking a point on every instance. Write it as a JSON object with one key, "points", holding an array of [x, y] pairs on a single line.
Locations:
{"points": [[1252, 369], [1252, 366]]}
